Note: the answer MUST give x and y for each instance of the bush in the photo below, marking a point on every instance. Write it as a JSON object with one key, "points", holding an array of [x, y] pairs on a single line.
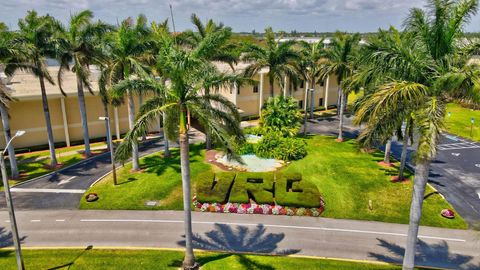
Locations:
{"points": [[253, 130], [273, 145], [291, 190], [246, 148], [281, 114]]}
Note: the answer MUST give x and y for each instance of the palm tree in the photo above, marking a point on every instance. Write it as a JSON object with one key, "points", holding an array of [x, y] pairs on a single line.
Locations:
{"points": [[429, 67], [278, 57], [341, 60], [36, 36], [128, 52], [8, 53], [77, 47], [311, 55], [184, 69]]}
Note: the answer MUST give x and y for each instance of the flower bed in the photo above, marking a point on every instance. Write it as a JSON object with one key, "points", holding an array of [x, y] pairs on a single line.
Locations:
{"points": [[254, 208]]}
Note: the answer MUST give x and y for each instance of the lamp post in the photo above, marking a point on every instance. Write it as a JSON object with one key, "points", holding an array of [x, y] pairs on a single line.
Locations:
{"points": [[11, 211], [110, 143], [472, 121]]}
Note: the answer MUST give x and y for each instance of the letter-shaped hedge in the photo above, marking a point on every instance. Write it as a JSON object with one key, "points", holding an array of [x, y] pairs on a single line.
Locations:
{"points": [[291, 190], [214, 187], [257, 186]]}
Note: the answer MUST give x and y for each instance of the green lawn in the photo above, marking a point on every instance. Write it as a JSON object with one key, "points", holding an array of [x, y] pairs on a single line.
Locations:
{"points": [[458, 122], [156, 259], [346, 177]]}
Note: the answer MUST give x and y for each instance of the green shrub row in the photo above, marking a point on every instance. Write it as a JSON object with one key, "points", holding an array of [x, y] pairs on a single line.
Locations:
{"points": [[264, 188], [273, 145]]}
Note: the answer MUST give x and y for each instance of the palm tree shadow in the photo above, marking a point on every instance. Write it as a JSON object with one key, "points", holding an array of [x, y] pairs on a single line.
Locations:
{"points": [[240, 239], [432, 255], [72, 262]]}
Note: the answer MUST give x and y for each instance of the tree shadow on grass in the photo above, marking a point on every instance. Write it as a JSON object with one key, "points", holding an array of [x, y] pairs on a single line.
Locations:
{"points": [[158, 164], [433, 255], [72, 262], [239, 239]]}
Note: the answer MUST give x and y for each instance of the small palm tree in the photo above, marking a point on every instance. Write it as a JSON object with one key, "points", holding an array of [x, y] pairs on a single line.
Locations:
{"points": [[77, 47], [429, 68], [185, 70], [341, 60], [128, 48], [8, 53], [37, 39], [278, 57]]}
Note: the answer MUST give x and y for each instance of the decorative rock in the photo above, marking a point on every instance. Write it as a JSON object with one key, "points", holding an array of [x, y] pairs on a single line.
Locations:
{"points": [[447, 213], [91, 197]]}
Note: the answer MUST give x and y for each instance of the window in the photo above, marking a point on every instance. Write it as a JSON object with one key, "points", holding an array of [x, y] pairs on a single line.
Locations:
{"points": [[322, 83], [300, 104], [320, 102], [302, 84], [255, 89]]}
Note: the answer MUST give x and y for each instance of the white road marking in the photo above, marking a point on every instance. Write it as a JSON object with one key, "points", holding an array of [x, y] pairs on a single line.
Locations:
{"points": [[47, 190], [456, 154], [59, 220], [65, 181], [271, 226], [477, 165], [7, 221], [35, 220]]}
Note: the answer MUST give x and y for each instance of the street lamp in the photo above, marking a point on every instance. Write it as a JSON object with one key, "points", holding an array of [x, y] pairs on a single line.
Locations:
{"points": [[8, 198], [110, 144]]}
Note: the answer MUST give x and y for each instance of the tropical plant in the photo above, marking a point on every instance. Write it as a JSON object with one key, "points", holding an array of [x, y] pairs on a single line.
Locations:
{"points": [[281, 115], [429, 67], [278, 57], [37, 39], [185, 70], [129, 51], [341, 59], [77, 46], [8, 53]]}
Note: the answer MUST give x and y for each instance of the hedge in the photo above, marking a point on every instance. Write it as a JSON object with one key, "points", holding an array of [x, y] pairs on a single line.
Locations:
{"points": [[245, 188], [212, 187], [291, 190]]}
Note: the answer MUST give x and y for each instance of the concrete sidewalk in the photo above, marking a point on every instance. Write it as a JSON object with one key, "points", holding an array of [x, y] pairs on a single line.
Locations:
{"points": [[323, 237]]}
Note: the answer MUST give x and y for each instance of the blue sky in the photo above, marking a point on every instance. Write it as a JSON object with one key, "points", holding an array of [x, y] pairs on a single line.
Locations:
{"points": [[241, 15]]}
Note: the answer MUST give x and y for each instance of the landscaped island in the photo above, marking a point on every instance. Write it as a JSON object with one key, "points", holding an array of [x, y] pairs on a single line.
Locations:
{"points": [[348, 180]]}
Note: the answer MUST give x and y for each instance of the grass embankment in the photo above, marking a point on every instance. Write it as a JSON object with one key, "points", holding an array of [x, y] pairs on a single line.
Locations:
{"points": [[35, 164], [156, 259], [346, 178], [459, 121]]}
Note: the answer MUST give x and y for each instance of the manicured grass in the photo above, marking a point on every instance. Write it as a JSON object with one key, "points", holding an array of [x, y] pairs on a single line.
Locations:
{"points": [[459, 121], [160, 180], [156, 259], [346, 178]]}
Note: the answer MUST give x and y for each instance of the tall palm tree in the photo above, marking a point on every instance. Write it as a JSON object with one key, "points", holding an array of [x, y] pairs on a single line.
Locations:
{"points": [[37, 37], [8, 53], [341, 60], [77, 47], [128, 54], [278, 57], [429, 68], [185, 70]]}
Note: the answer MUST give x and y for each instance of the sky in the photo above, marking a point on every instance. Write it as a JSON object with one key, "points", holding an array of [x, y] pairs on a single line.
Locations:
{"points": [[241, 15]]}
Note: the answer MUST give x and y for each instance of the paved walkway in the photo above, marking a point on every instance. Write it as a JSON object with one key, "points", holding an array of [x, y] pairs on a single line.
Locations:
{"points": [[361, 240]]}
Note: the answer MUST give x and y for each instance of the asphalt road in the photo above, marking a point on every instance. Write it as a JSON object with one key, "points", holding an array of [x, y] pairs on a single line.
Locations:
{"points": [[334, 238], [455, 173]]}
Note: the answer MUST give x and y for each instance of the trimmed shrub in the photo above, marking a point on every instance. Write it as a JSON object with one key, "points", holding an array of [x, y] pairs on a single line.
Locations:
{"points": [[212, 187], [246, 148], [291, 190], [257, 186], [273, 145], [253, 130]]}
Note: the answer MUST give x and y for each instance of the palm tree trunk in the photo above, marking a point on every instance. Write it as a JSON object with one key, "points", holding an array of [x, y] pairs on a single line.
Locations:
{"points": [[208, 136], [340, 122], [48, 123], [189, 260], [271, 81], [403, 157], [83, 116], [131, 122], [166, 146], [388, 148], [11, 150], [107, 126], [140, 103], [420, 183]]}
